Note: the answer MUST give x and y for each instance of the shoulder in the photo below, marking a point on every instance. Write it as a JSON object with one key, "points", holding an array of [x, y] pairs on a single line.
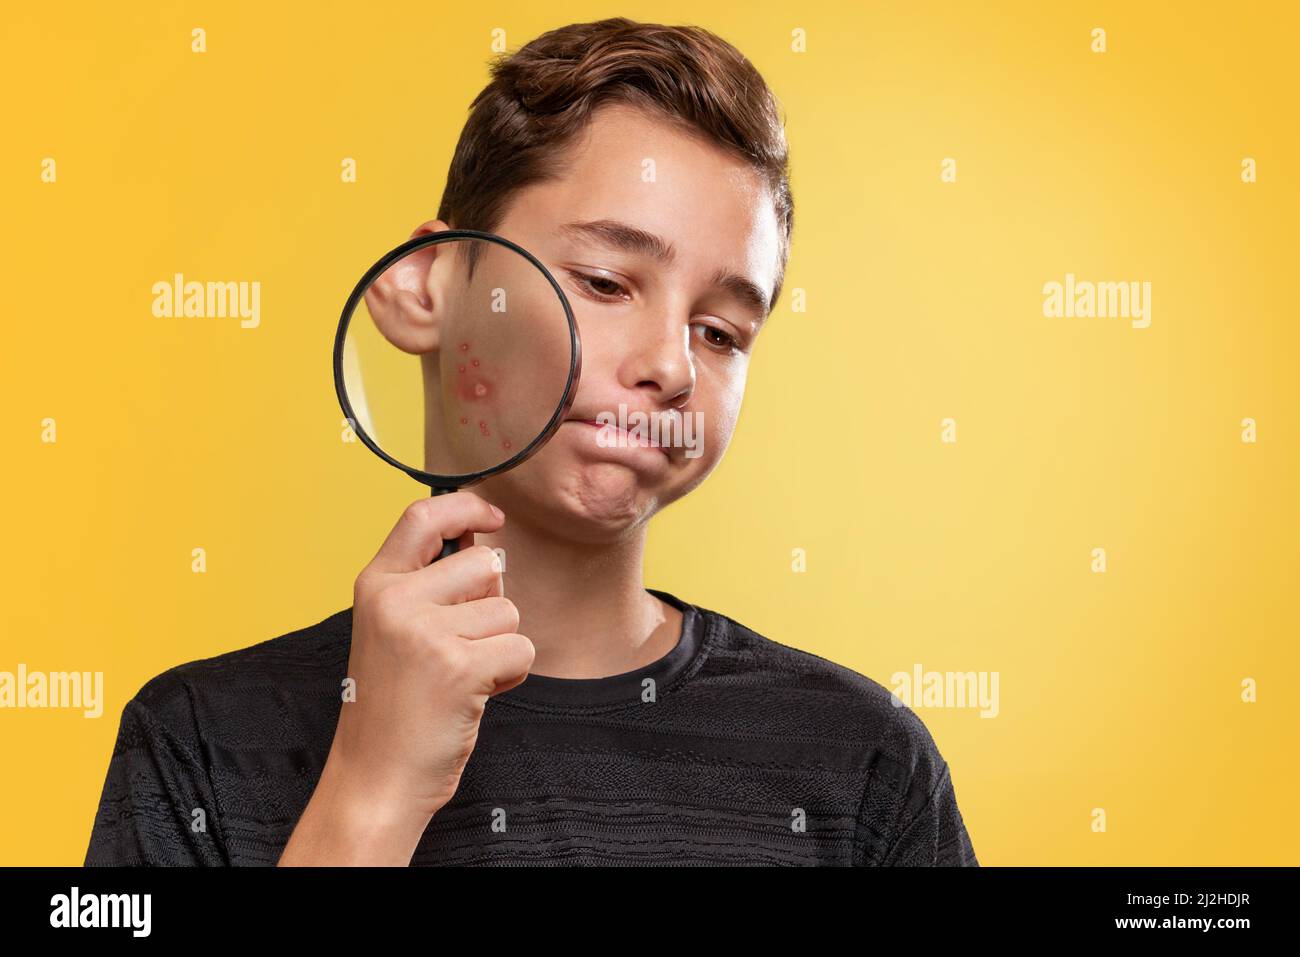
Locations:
{"points": [[831, 699], [907, 808], [241, 684]]}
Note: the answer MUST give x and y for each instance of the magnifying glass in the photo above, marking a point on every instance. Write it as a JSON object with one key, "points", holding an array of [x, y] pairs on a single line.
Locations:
{"points": [[456, 358]]}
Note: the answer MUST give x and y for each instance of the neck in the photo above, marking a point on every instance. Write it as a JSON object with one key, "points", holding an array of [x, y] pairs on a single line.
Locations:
{"points": [[584, 606]]}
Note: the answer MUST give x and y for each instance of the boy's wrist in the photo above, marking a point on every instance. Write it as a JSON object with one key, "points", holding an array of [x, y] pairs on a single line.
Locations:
{"points": [[350, 823]]}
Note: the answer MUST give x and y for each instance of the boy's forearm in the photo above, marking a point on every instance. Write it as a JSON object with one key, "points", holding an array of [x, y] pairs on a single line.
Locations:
{"points": [[342, 826]]}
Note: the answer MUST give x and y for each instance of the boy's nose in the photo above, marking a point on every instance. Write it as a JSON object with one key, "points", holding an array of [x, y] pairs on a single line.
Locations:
{"points": [[663, 364]]}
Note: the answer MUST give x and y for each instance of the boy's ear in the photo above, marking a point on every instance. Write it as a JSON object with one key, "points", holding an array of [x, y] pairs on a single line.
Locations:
{"points": [[403, 301]]}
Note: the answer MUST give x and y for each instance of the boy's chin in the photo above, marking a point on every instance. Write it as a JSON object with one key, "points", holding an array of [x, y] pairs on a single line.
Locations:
{"points": [[589, 503]]}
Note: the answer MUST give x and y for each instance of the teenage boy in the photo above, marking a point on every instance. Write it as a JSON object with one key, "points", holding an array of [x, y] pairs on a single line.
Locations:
{"points": [[628, 726]]}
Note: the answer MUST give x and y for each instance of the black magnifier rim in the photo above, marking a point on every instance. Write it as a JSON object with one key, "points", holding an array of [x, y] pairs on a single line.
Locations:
{"points": [[470, 478]]}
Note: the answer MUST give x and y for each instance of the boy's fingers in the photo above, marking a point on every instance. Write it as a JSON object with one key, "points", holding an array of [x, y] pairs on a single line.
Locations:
{"points": [[468, 575], [504, 660], [416, 539], [484, 617]]}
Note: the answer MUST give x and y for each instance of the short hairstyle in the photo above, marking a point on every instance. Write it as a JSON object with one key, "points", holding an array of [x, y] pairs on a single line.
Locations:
{"points": [[544, 94]]}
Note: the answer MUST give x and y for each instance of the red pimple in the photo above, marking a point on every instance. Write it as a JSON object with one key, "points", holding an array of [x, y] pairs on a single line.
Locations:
{"points": [[462, 368], [474, 388], [505, 444], [476, 362], [464, 347], [463, 420]]}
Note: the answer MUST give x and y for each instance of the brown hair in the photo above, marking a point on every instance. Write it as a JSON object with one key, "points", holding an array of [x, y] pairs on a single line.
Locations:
{"points": [[543, 94]]}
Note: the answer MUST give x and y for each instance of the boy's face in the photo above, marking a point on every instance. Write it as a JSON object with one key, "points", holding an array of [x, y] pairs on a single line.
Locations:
{"points": [[661, 336]]}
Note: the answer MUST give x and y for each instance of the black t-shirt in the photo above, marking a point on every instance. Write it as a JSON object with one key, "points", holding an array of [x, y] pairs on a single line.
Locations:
{"points": [[731, 749]]}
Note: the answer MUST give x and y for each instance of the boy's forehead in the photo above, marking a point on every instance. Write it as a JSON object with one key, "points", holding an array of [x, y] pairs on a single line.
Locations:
{"points": [[628, 167], [630, 153]]}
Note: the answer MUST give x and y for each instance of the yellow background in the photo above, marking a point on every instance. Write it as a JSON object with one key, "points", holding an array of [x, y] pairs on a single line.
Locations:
{"points": [[1118, 690]]}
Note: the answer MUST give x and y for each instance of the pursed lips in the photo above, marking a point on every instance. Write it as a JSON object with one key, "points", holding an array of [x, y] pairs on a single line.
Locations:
{"points": [[631, 439]]}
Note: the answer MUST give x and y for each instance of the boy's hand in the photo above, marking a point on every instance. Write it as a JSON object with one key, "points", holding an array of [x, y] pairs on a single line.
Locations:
{"points": [[430, 644]]}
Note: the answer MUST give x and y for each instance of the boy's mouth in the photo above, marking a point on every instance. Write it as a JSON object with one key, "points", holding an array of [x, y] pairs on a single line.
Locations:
{"points": [[618, 436]]}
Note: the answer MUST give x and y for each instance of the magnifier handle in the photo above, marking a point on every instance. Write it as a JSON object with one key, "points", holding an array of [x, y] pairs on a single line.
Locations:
{"points": [[452, 545]]}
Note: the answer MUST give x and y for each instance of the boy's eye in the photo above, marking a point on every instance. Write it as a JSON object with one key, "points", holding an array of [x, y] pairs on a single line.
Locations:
{"points": [[606, 286], [603, 288], [719, 339]]}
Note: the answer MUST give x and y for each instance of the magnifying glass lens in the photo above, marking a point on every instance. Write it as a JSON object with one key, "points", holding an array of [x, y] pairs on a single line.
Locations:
{"points": [[459, 358]]}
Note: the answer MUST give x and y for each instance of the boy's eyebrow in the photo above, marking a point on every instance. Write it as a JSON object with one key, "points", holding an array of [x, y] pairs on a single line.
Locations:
{"points": [[633, 239]]}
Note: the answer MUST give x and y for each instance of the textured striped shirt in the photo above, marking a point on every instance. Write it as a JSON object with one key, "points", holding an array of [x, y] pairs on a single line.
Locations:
{"points": [[732, 749]]}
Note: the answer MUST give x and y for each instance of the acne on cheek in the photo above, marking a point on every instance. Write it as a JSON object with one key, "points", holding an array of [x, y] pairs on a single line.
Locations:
{"points": [[473, 386]]}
